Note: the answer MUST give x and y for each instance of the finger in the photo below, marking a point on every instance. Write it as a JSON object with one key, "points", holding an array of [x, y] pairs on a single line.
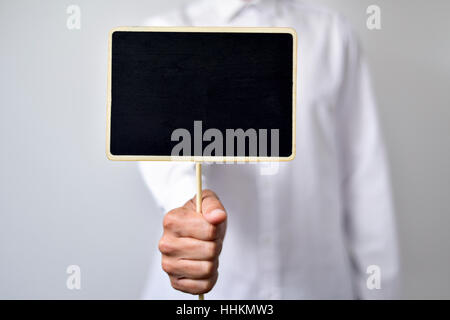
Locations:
{"points": [[190, 204], [190, 248], [183, 222], [212, 209], [194, 286], [210, 202], [192, 269]]}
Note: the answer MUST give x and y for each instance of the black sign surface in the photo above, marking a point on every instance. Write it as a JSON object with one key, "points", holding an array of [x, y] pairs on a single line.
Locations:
{"points": [[229, 91]]}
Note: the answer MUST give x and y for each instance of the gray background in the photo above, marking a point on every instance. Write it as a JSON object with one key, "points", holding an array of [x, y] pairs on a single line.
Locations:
{"points": [[63, 203]]}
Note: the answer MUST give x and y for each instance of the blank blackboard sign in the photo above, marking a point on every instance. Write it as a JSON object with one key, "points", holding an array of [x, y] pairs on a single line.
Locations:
{"points": [[201, 94]]}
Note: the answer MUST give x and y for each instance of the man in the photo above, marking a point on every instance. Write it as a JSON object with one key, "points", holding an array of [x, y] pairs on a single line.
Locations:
{"points": [[306, 229]]}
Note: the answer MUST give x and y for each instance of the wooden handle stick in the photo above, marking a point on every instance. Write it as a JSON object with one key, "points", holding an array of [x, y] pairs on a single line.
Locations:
{"points": [[198, 170]]}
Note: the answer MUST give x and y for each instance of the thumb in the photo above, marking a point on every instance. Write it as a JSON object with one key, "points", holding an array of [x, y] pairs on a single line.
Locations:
{"points": [[212, 209]]}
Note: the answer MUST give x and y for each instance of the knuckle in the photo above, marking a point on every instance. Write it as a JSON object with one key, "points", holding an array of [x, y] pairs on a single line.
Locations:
{"points": [[191, 202], [169, 220], [209, 192], [167, 265], [164, 246]]}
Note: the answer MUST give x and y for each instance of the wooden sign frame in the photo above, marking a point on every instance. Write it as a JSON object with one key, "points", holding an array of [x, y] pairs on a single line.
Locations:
{"points": [[291, 31]]}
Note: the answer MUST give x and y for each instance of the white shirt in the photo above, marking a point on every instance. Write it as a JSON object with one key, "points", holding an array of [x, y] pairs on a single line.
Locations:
{"points": [[309, 228]]}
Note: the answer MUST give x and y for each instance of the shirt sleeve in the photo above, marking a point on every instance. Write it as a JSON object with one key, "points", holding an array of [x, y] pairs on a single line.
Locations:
{"points": [[171, 183], [369, 217]]}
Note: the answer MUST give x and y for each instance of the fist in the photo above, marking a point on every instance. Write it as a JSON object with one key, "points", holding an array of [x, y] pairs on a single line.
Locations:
{"points": [[191, 244]]}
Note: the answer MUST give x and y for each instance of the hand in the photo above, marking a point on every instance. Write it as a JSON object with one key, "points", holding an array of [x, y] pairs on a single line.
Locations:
{"points": [[191, 244]]}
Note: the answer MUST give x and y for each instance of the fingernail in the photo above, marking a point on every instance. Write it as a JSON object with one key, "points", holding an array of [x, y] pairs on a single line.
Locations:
{"points": [[216, 213]]}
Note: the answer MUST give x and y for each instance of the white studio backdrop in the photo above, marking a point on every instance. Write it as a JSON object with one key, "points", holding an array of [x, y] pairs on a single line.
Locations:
{"points": [[63, 203]]}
